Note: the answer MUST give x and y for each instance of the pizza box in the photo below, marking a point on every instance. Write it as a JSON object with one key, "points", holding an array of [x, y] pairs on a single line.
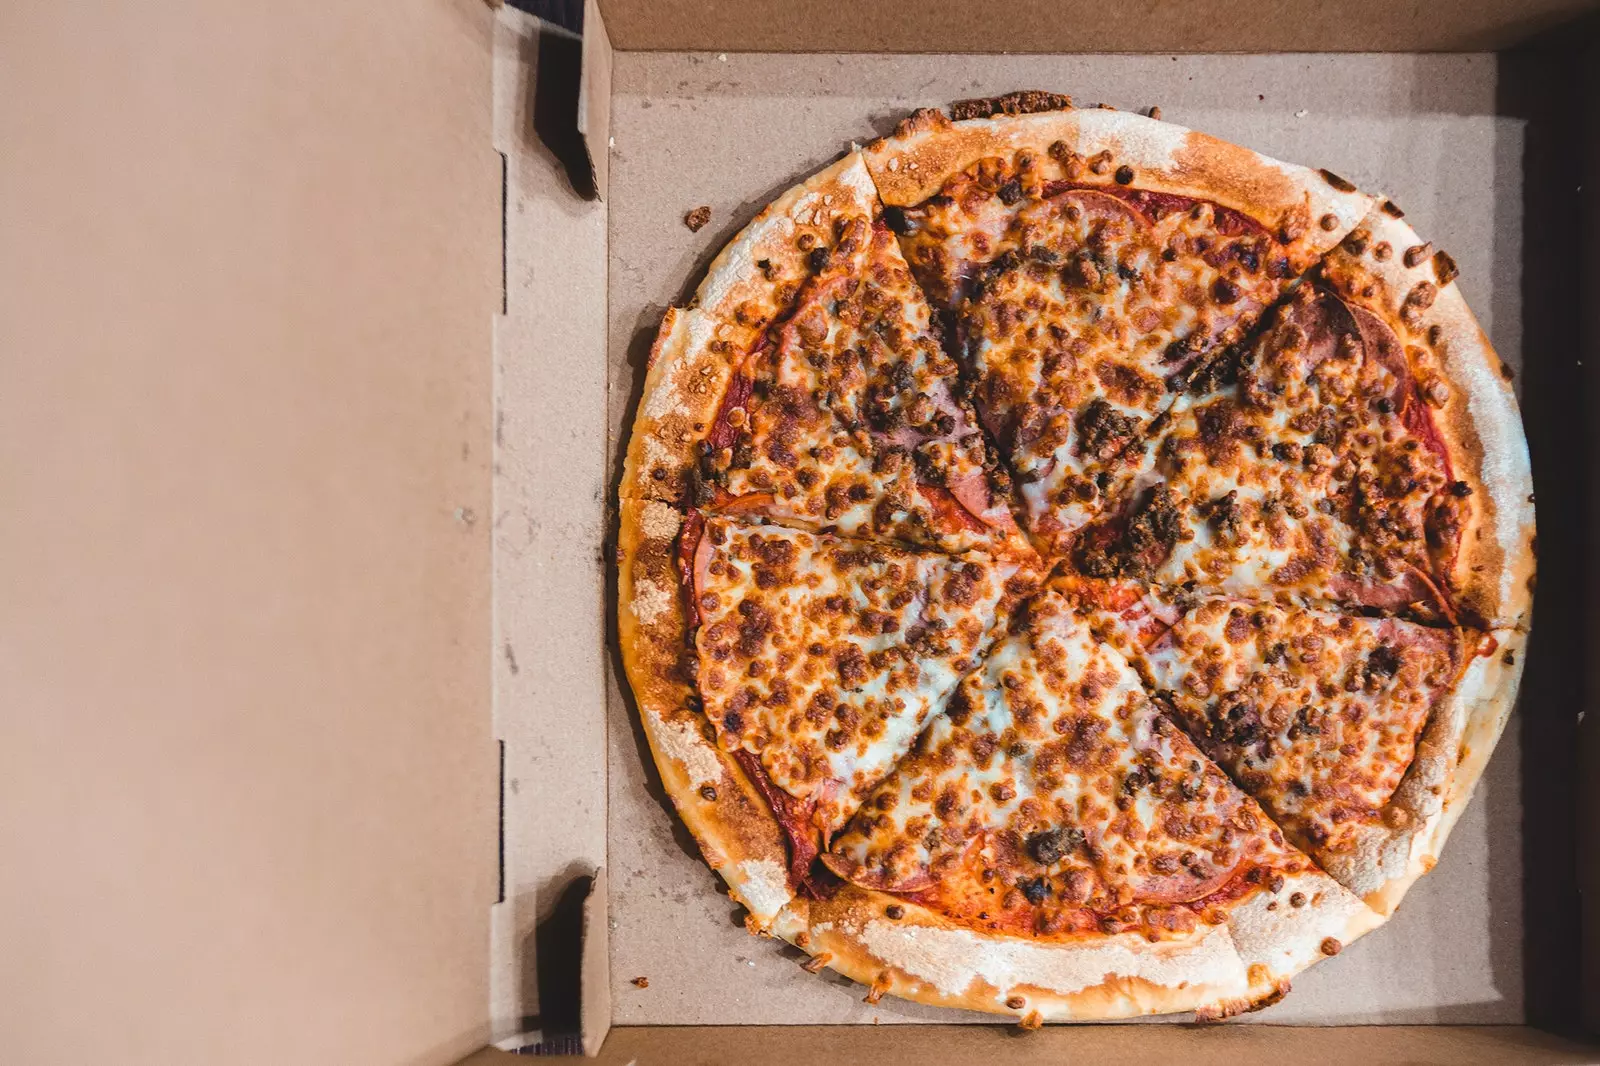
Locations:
{"points": [[322, 328]]}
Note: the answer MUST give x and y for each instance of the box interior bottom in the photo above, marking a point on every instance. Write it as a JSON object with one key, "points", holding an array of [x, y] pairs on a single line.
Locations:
{"points": [[733, 131]]}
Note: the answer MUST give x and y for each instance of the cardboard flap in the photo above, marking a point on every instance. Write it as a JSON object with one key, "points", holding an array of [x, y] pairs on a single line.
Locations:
{"points": [[594, 95], [569, 58], [550, 629], [595, 994], [1078, 26], [245, 307]]}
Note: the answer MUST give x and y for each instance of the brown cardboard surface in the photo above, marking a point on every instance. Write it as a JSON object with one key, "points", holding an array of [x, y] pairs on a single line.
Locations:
{"points": [[732, 131], [247, 274], [1396, 1045], [595, 989], [549, 500], [1079, 26], [594, 95]]}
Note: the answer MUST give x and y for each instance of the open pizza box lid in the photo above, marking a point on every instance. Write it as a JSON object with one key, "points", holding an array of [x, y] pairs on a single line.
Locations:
{"points": [[317, 355]]}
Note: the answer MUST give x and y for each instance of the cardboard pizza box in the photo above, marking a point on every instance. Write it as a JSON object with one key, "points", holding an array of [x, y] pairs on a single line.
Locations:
{"points": [[321, 331]]}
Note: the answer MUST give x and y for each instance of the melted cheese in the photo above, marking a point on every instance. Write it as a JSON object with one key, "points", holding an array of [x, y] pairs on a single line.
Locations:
{"points": [[825, 657], [1080, 305], [1052, 798], [853, 418], [1297, 471], [1316, 715]]}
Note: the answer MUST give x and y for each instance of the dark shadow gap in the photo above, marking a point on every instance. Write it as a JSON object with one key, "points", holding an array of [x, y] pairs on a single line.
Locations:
{"points": [[1542, 85]]}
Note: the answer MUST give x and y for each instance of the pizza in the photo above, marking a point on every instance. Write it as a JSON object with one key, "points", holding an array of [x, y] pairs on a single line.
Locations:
{"points": [[1073, 567]]}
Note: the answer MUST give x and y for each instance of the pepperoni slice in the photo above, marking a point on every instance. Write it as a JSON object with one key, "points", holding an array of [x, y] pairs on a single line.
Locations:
{"points": [[794, 816], [689, 573], [1384, 347], [948, 510], [1085, 210], [1156, 206]]}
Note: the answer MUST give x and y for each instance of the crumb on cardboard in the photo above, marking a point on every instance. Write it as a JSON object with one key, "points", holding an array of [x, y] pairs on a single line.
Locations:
{"points": [[641, 982], [697, 218]]}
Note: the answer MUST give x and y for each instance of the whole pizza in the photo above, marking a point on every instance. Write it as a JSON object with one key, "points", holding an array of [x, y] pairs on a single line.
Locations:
{"points": [[1071, 566]]}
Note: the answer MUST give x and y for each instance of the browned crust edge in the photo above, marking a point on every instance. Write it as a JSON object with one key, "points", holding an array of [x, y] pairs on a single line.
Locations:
{"points": [[738, 292], [733, 825], [1018, 102], [697, 349], [683, 388], [1479, 421], [928, 149], [1216, 972]]}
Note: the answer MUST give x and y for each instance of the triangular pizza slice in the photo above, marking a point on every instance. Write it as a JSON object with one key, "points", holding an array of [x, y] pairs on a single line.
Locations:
{"points": [[809, 385], [820, 659], [1332, 460], [1318, 716]]}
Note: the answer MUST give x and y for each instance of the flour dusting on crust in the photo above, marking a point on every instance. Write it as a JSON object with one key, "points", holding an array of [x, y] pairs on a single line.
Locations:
{"points": [[950, 959], [651, 601], [763, 887], [681, 741]]}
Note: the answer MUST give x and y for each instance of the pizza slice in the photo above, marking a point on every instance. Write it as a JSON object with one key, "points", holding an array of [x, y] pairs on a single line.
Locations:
{"points": [[1319, 717], [1452, 393], [1090, 259], [820, 659], [1052, 801], [1333, 460], [810, 385], [719, 802]]}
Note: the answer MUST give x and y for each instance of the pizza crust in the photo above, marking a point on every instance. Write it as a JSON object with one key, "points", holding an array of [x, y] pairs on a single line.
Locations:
{"points": [[1276, 940], [1479, 421], [841, 190], [683, 388], [698, 348], [928, 149], [1451, 754], [1216, 971], [730, 820], [923, 957]]}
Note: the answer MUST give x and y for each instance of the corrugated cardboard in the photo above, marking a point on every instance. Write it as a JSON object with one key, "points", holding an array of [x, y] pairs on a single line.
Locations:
{"points": [[268, 607]]}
